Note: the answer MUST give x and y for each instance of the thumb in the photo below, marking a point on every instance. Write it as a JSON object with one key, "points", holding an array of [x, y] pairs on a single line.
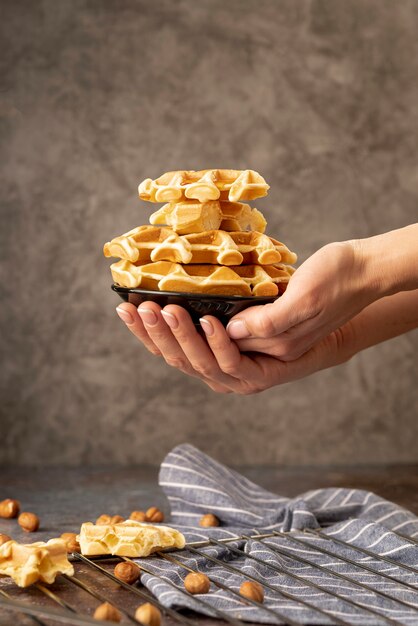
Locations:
{"points": [[264, 321]]}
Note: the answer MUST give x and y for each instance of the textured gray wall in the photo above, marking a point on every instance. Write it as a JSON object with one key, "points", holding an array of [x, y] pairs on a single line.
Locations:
{"points": [[321, 96]]}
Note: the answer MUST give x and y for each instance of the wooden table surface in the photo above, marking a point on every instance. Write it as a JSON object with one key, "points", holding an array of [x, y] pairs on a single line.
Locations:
{"points": [[64, 498]]}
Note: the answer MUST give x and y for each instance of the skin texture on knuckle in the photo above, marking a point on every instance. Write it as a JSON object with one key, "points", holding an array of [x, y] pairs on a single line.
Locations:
{"points": [[295, 348], [177, 362], [203, 369], [158, 335], [263, 324], [183, 337], [249, 389], [232, 366]]}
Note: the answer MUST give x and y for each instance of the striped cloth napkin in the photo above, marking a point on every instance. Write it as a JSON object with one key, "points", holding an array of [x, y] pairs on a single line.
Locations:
{"points": [[195, 484]]}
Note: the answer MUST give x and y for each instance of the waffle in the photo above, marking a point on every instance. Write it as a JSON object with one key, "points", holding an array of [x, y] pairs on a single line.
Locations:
{"points": [[130, 538], [195, 217], [239, 280], [142, 244], [150, 243], [204, 185], [29, 563]]}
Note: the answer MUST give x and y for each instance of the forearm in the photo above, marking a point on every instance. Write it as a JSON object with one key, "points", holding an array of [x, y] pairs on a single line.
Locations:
{"points": [[384, 319], [390, 261]]}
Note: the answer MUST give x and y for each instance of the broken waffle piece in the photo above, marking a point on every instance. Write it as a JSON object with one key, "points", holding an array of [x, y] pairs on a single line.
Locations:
{"points": [[29, 563], [194, 217], [204, 185], [238, 280], [189, 216], [130, 538]]}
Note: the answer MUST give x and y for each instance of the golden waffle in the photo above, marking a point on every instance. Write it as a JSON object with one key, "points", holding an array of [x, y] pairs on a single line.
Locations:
{"points": [[150, 243], [204, 185], [28, 563], [239, 216], [196, 217], [142, 244], [130, 538], [239, 280], [216, 246]]}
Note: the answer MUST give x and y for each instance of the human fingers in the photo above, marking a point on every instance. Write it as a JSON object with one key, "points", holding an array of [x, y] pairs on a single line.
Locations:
{"points": [[333, 350], [160, 334], [325, 286], [129, 315], [286, 346], [195, 347], [216, 387], [230, 360], [288, 314]]}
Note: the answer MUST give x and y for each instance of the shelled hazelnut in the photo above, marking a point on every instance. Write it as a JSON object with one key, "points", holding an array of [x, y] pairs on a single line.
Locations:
{"points": [[148, 614], [252, 590], [116, 519], [154, 515], [127, 572], [4, 539], [209, 520], [195, 582], [71, 542], [103, 520], [28, 521], [138, 516], [9, 508], [107, 613]]}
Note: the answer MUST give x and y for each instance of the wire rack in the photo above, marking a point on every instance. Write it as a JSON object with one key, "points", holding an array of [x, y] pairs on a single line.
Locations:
{"points": [[63, 611]]}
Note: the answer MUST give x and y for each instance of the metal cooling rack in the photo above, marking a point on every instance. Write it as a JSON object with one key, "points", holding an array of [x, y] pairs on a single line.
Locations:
{"points": [[61, 611]]}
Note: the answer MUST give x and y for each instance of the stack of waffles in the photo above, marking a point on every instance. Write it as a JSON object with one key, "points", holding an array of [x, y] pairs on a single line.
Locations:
{"points": [[204, 239]]}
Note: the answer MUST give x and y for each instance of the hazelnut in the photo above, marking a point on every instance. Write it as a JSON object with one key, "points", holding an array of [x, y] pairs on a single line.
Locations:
{"points": [[4, 539], [209, 520], [107, 613], [148, 614], [103, 520], [9, 508], [71, 542], [127, 572], [154, 515], [28, 521], [252, 590], [116, 519], [195, 582], [138, 516]]}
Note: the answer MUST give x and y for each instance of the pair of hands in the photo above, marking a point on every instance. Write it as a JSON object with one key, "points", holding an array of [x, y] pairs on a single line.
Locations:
{"points": [[308, 329]]}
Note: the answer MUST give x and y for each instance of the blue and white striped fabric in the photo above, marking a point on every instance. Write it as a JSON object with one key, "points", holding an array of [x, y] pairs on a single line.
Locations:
{"points": [[196, 484]]}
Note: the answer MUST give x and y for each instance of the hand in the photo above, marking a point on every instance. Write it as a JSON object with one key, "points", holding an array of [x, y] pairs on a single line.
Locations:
{"points": [[216, 359], [325, 292]]}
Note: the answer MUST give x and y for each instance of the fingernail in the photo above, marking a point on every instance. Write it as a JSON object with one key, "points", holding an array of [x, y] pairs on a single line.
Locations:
{"points": [[171, 320], [238, 330], [125, 316], [207, 327], [148, 316]]}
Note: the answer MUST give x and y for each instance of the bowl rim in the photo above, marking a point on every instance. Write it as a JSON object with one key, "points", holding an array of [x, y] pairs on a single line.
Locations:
{"points": [[193, 295]]}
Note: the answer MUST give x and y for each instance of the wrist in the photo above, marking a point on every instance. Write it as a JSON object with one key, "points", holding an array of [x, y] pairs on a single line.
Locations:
{"points": [[389, 262]]}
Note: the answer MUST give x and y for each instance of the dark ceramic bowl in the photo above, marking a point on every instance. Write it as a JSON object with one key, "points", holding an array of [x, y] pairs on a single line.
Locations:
{"points": [[197, 304]]}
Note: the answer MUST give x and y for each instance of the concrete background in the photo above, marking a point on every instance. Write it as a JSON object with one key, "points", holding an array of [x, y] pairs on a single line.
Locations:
{"points": [[320, 96]]}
